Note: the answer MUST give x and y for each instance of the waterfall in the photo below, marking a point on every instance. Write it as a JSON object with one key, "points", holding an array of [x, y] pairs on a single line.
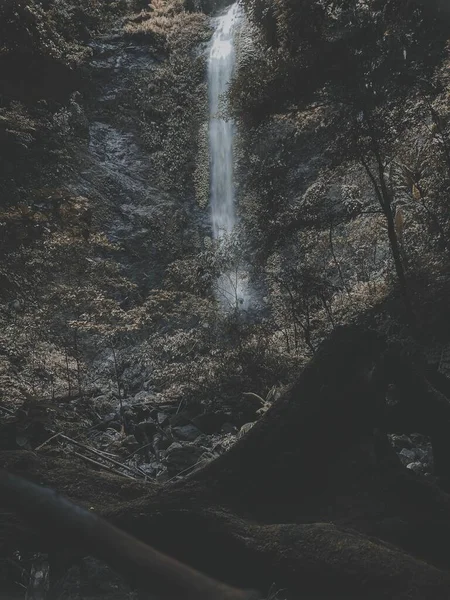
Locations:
{"points": [[221, 63], [220, 70]]}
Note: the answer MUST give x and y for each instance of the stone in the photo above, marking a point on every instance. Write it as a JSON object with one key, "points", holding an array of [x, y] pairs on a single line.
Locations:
{"points": [[180, 419], [188, 433], [223, 444], [194, 408], [144, 432], [229, 428], [103, 404], [417, 467], [141, 413], [162, 475], [22, 441], [203, 440], [245, 429], [401, 441], [147, 428], [173, 447], [130, 443], [162, 418], [210, 422], [144, 396], [128, 421], [166, 409], [419, 439], [407, 456], [161, 442], [181, 456], [103, 440], [116, 425], [424, 454]]}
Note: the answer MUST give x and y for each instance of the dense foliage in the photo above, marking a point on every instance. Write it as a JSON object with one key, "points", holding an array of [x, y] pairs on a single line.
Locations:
{"points": [[343, 162], [343, 108]]}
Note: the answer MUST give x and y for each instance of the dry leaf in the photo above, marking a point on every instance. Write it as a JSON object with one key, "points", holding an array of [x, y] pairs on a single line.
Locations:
{"points": [[416, 192], [399, 222]]}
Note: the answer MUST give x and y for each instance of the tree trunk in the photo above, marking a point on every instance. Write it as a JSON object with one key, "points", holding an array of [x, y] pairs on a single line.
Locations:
{"points": [[382, 194]]}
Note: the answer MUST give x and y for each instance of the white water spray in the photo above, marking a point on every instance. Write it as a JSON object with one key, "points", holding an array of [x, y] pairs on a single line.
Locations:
{"points": [[231, 286], [220, 70]]}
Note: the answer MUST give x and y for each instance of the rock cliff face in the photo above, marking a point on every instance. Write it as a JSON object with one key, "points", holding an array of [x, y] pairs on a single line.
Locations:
{"points": [[101, 163]]}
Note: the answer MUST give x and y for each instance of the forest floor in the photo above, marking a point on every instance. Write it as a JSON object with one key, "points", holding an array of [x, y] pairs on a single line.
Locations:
{"points": [[355, 481]]}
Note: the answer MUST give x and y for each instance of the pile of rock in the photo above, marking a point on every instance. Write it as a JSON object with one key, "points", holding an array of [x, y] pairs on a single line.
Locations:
{"points": [[165, 441], [414, 451]]}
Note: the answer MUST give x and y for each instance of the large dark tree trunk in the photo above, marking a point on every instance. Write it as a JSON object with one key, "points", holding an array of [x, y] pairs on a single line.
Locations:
{"points": [[313, 498]]}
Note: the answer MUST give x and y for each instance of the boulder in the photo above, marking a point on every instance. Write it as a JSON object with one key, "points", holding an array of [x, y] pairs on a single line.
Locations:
{"points": [[419, 439], [103, 405], [187, 433], [143, 396], [162, 418], [161, 442], [229, 428], [407, 456], [417, 467], [424, 455], [180, 420], [245, 429], [211, 422], [116, 425], [130, 443], [401, 441], [181, 456]]}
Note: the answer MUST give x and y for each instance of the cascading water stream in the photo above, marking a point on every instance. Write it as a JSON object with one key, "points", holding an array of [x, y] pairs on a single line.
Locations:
{"points": [[220, 70], [221, 64]]}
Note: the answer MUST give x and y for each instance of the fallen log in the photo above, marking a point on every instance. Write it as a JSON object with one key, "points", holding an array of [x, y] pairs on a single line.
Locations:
{"points": [[143, 566], [319, 560]]}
